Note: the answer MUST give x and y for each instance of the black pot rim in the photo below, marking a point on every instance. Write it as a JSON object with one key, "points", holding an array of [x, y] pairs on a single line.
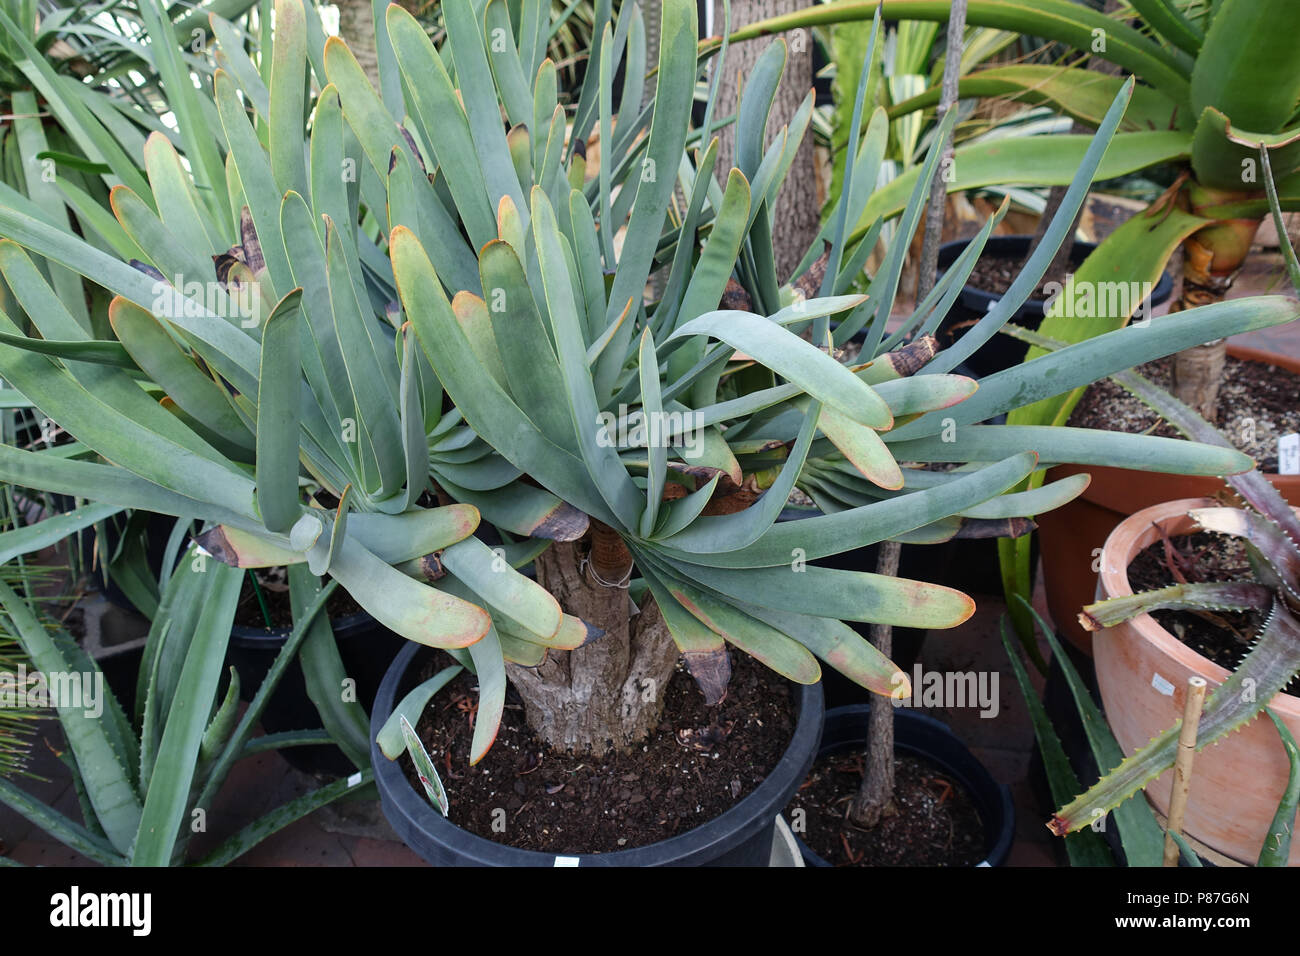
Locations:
{"points": [[263, 638], [1000, 847], [757, 810], [978, 298]]}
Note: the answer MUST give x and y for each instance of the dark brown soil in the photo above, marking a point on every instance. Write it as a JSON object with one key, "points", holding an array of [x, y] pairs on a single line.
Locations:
{"points": [[274, 585], [1257, 404], [996, 273], [937, 824], [1222, 636], [698, 763]]}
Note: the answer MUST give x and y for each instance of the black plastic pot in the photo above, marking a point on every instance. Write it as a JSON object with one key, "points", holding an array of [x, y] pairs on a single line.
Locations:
{"points": [[1002, 352], [922, 736], [366, 648], [742, 836]]}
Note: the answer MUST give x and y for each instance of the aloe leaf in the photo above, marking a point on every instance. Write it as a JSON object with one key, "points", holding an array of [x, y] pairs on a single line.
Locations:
{"points": [[489, 409], [837, 644], [1136, 252], [172, 778], [1054, 19], [70, 834], [253, 712], [52, 530], [731, 532], [417, 612], [523, 600], [601, 460], [1082, 94], [390, 738], [424, 767], [177, 197], [155, 351], [324, 675], [253, 170], [803, 363], [291, 812], [278, 416], [757, 639], [1269, 666], [825, 535], [1087, 847], [674, 94], [1277, 844], [524, 343], [844, 595], [1244, 54]]}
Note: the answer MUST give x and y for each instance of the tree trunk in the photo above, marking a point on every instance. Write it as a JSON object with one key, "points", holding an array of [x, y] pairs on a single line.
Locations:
{"points": [[609, 694], [875, 797], [1212, 258], [357, 29], [796, 219]]}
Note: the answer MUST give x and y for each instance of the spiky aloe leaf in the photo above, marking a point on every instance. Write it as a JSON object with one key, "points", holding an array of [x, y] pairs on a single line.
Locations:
{"points": [[283, 816], [1267, 540], [1209, 595], [1269, 667]]}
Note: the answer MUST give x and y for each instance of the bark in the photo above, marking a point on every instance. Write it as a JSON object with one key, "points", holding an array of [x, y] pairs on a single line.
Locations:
{"points": [[1056, 196], [609, 694], [875, 798], [1212, 258], [938, 200], [357, 29], [796, 219]]}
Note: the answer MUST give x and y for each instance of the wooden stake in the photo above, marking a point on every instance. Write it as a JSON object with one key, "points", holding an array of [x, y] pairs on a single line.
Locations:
{"points": [[1183, 766]]}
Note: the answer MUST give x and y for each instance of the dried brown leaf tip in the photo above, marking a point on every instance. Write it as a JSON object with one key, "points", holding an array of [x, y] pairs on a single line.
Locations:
{"points": [[913, 356], [712, 673], [215, 543]]}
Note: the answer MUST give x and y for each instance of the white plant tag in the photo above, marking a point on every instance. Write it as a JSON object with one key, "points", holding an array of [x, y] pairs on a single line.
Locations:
{"points": [[566, 861], [1288, 454], [1162, 685]]}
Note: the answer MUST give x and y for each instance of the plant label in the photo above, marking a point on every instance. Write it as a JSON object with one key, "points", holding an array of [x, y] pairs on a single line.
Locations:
{"points": [[1288, 454]]}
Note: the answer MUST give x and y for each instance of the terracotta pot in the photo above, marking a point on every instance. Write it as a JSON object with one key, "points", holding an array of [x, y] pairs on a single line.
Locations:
{"points": [[1142, 671], [1071, 536]]}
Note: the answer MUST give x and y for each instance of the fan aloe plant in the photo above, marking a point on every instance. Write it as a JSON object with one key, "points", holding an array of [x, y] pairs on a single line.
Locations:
{"points": [[565, 354], [411, 241]]}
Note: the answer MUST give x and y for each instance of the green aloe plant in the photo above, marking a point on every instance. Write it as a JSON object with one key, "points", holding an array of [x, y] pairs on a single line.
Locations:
{"points": [[410, 242], [145, 785]]}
